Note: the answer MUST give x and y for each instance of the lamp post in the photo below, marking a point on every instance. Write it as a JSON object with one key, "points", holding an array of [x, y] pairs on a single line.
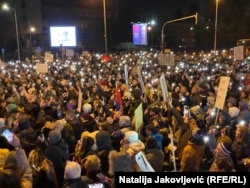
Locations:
{"points": [[150, 29], [215, 25], [175, 20], [105, 26], [32, 30], [6, 7]]}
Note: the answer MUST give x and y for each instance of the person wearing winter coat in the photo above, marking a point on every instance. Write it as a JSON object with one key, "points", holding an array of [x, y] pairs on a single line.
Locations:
{"points": [[240, 147], [222, 152], [17, 161], [104, 146], [132, 145], [193, 152], [154, 155], [51, 172], [84, 147], [243, 116], [72, 176]]}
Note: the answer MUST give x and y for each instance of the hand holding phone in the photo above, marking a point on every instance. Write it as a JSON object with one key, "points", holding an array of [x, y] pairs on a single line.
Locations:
{"points": [[186, 110], [8, 135], [96, 185]]}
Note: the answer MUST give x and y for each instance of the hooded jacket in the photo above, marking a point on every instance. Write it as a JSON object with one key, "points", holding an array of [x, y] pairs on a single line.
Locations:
{"points": [[191, 157]]}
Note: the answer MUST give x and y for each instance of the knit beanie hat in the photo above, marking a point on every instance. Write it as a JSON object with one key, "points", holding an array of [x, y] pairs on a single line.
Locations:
{"points": [[196, 134], [72, 170], [11, 107], [225, 147], [54, 136], [124, 121], [103, 140], [231, 100], [131, 136]]}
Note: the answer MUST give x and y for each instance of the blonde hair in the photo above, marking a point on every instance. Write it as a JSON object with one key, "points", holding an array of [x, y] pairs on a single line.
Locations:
{"points": [[59, 124], [49, 125], [92, 163], [92, 135]]}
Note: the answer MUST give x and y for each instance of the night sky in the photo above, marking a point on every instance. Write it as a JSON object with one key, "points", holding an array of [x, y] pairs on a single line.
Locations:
{"points": [[160, 9], [119, 27], [233, 18], [134, 11]]}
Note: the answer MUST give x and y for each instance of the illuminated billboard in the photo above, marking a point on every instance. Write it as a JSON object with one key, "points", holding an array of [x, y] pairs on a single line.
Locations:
{"points": [[140, 33], [63, 36]]}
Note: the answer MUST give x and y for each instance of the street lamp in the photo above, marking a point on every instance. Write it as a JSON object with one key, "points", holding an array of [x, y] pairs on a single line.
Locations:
{"points": [[105, 26], [176, 20], [150, 29], [32, 30], [6, 7], [215, 24]]}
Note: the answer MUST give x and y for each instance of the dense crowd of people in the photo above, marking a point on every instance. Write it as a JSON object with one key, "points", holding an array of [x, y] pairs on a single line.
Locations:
{"points": [[75, 125]]}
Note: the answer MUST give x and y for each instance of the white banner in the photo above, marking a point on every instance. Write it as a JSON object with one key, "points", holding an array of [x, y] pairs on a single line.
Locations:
{"points": [[41, 68], [222, 92], [164, 87], [126, 74], [166, 59], [143, 162], [239, 53], [48, 57], [69, 53]]}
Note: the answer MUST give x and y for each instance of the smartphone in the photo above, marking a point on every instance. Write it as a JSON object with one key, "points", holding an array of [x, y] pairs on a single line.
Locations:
{"points": [[95, 185], [8, 135], [186, 110]]}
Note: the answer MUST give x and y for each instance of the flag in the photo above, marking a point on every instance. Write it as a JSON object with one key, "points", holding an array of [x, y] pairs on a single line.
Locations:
{"points": [[118, 99]]}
